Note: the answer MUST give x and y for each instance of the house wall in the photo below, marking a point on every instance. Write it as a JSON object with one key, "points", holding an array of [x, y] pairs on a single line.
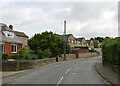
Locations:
{"points": [[24, 40], [70, 43], [91, 44], [8, 48]]}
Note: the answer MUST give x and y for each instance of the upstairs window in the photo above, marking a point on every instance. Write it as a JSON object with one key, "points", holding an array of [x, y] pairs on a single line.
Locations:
{"points": [[14, 48], [9, 34]]}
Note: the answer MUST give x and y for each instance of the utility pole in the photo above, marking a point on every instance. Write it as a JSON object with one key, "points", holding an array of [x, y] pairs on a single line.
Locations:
{"points": [[64, 40]]}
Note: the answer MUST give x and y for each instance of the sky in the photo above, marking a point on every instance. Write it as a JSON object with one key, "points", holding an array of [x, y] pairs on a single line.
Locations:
{"points": [[84, 19]]}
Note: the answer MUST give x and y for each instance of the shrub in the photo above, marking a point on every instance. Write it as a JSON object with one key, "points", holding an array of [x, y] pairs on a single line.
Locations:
{"points": [[34, 57], [92, 50], [111, 51], [44, 54], [14, 57], [24, 53], [5, 56]]}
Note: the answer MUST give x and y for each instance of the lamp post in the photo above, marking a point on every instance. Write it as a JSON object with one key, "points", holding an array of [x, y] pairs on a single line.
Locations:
{"points": [[64, 40]]}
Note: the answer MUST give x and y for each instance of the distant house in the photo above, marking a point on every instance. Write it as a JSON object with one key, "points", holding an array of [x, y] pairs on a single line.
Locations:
{"points": [[75, 41], [10, 43], [99, 44], [82, 41], [90, 44]]}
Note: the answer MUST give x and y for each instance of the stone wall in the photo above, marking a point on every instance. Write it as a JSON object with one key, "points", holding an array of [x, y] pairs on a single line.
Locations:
{"points": [[28, 64], [24, 40]]}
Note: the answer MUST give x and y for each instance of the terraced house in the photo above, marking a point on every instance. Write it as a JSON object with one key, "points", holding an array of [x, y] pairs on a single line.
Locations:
{"points": [[9, 42]]}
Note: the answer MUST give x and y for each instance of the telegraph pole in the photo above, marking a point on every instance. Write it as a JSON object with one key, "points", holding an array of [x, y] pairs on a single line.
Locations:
{"points": [[64, 40]]}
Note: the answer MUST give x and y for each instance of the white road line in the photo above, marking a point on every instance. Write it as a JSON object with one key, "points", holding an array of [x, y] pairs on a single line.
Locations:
{"points": [[62, 77], [60, 80], [67, 71]]}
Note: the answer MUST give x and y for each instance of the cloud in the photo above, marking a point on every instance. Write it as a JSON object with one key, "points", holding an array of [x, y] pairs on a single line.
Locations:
{"points": [[88, 19]]}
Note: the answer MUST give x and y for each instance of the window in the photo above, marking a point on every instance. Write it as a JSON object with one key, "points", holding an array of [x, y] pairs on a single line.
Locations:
{"points": [[70, 41], [79, 42], [14, 48], [2, 47], [73, 41]]}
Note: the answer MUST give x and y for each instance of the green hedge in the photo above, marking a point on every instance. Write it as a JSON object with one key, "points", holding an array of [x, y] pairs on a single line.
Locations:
{"points": [[5, 56], [111, 51]]}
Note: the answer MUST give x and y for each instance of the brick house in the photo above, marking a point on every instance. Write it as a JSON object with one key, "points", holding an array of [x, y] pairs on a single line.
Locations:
{"points": [[9, 42]]}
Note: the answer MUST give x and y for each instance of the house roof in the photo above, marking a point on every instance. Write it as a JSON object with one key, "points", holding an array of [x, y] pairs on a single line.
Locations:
{"points": [[80, 39], [3, 38], [20, 34]]}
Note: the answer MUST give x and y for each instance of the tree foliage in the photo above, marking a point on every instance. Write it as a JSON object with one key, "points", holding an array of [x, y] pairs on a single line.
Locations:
{"points": [[95, 43], [100, 39], [47, 44]]}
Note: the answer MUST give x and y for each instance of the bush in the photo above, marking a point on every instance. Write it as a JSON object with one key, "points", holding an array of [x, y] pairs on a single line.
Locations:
{"points": [[14, 57], [92, 50], [5, 56], [23, 53], [34, 58], [44, 54], [111, 51]]}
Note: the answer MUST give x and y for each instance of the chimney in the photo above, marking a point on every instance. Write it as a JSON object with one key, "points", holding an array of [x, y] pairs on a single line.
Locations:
{"points": [[11, 27]]}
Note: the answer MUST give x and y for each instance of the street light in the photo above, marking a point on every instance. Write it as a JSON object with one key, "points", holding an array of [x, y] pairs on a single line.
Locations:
{"points": [[64, 40]]}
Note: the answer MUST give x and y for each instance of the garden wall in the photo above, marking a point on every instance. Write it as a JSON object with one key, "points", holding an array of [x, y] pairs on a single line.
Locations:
{"points": [[28, 64]]}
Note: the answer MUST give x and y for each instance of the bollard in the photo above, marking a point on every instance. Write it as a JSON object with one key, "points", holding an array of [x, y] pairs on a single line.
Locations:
{"points": [[57, 58]]}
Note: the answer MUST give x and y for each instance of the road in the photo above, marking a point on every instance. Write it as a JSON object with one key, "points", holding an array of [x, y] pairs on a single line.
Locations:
{"points": [[80, 71]]}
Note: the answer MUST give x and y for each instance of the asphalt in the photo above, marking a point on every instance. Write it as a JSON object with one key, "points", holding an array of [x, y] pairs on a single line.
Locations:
{"points": [[79, 71]]}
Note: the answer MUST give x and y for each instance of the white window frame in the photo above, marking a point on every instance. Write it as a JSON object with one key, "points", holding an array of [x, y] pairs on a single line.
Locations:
{"points": [[16, 48]]}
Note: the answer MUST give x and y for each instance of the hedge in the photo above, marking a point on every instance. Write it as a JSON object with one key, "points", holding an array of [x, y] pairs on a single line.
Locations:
{"points": [[111, 51]]}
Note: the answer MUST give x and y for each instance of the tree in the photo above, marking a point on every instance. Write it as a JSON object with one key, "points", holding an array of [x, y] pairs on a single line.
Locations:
{"points": [[100, 39], [95, 43], [46, 43]]}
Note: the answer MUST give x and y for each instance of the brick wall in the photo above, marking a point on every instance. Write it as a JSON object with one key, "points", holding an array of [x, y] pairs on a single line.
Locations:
{"points": [[8, 48], [80, 50]]}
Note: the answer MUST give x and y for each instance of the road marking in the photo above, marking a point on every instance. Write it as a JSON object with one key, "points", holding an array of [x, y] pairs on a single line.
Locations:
{"points": [[67, 71], [60, 80], [73, 73]]}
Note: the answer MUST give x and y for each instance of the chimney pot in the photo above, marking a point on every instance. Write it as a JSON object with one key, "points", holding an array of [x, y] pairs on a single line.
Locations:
{"points": [[11, 27]]}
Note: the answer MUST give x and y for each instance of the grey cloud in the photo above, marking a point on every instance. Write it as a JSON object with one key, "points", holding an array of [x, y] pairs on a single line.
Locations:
{"points": [[37, 17]]}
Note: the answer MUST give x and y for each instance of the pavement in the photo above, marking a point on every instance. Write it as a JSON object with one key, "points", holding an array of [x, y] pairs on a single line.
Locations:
{"points": [[108, 74], [79, 71]]}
